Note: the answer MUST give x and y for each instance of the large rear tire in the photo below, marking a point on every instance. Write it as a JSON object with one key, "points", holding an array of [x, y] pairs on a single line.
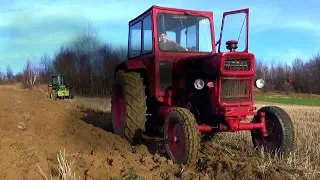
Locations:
{"points": [[280, 129], [182, 137], [129, 106]]}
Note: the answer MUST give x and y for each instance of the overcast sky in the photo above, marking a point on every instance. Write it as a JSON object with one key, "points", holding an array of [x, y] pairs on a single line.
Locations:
{"points": [[29, 28]]}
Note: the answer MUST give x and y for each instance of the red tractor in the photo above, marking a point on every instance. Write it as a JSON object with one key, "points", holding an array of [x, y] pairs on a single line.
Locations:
{"points": [[179, 84]]}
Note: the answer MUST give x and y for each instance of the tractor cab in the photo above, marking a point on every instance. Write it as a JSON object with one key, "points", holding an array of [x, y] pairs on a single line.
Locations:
{"points": [[58, 80], [166, 40], [180, 32]]}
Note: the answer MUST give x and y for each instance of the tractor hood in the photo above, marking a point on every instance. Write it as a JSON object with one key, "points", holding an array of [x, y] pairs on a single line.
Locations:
{"points": [[62, 87], [194, 64], [198, 57], [229, 64]]}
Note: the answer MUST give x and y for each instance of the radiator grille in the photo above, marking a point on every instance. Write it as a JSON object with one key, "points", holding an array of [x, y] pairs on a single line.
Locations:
{"points": [[237, 64], [235, 90]]}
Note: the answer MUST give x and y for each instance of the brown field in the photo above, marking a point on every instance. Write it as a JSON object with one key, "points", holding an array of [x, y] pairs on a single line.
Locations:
{"points": [[36, 131]]}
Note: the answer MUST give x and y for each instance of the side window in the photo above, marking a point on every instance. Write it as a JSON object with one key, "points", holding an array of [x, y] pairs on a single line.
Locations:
{"points": [[54, 80], [147, 35], [135, 40]]}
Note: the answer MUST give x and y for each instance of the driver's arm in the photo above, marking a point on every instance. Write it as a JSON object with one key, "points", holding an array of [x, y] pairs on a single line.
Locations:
{"points": [[179, 47]]}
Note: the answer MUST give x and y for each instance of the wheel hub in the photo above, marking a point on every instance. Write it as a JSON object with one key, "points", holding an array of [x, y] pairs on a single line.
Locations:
{"points": [[176, 139]]}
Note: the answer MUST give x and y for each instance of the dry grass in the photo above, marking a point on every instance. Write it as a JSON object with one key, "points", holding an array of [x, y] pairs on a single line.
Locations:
{"points": [[18, 86], [96, 104], [64, 168], [306, 156], [21, 87]]}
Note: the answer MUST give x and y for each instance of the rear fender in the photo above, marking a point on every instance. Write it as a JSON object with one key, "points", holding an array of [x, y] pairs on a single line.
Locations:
{"points": [[130, 65], [137, 66]]}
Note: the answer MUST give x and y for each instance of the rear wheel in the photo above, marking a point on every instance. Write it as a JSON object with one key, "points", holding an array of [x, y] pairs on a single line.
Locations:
{"points": [[182, 137], [129, 106], [280, 129]]}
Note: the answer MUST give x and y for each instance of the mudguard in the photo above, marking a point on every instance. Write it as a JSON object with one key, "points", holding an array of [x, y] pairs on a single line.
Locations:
{"points": [[130, 65]]}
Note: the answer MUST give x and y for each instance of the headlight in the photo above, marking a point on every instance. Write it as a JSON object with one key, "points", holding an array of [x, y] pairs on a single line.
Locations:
{"points": [[259, 83], [199, 84]]}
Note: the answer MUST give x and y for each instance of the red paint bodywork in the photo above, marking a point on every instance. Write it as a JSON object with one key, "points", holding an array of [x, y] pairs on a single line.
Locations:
{"points": [[214, 61]]}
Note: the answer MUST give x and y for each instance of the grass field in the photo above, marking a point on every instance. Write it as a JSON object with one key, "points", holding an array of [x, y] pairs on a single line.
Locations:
{"points": [[288, 98]]}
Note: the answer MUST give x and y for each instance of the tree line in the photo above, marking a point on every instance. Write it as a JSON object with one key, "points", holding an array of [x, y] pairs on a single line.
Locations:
{"points": [[87, 63], [89, 66], [301, 76]]}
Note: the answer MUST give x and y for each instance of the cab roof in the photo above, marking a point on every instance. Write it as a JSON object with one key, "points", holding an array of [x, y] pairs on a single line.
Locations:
{"points": [[170, 9]]}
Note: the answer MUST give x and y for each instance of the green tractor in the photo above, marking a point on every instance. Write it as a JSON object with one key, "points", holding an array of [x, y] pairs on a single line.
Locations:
{"points": [[58, 88]]}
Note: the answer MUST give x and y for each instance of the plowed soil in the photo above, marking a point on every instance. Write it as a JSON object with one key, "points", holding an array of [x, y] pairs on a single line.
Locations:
{"points": [[34, 128]]}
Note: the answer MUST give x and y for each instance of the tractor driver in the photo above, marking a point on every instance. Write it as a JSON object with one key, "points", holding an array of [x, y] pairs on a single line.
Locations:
{"points": [[169, 45]]}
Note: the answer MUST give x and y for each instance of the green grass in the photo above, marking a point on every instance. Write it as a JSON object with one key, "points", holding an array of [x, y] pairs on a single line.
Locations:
{"points": [[290, 100]]}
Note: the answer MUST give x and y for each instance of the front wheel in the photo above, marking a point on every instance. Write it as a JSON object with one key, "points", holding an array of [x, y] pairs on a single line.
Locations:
{"points": [[182, 137], [280, 129]]}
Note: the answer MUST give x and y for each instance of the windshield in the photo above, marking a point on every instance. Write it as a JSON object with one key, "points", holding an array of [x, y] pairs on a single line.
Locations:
{"points": [[184, 33], [62, 79], [58, 79]]}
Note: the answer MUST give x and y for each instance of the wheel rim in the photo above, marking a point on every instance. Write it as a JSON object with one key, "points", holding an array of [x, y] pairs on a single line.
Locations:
{"points": [[176, 138], [273, 141], [118, 106]]}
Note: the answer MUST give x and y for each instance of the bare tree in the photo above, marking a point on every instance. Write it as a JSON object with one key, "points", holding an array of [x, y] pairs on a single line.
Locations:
{"points": [[88, 41], [297, 75], [1, 78], [30, 73], [19, 77], [46, 68], [9, 74]]}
